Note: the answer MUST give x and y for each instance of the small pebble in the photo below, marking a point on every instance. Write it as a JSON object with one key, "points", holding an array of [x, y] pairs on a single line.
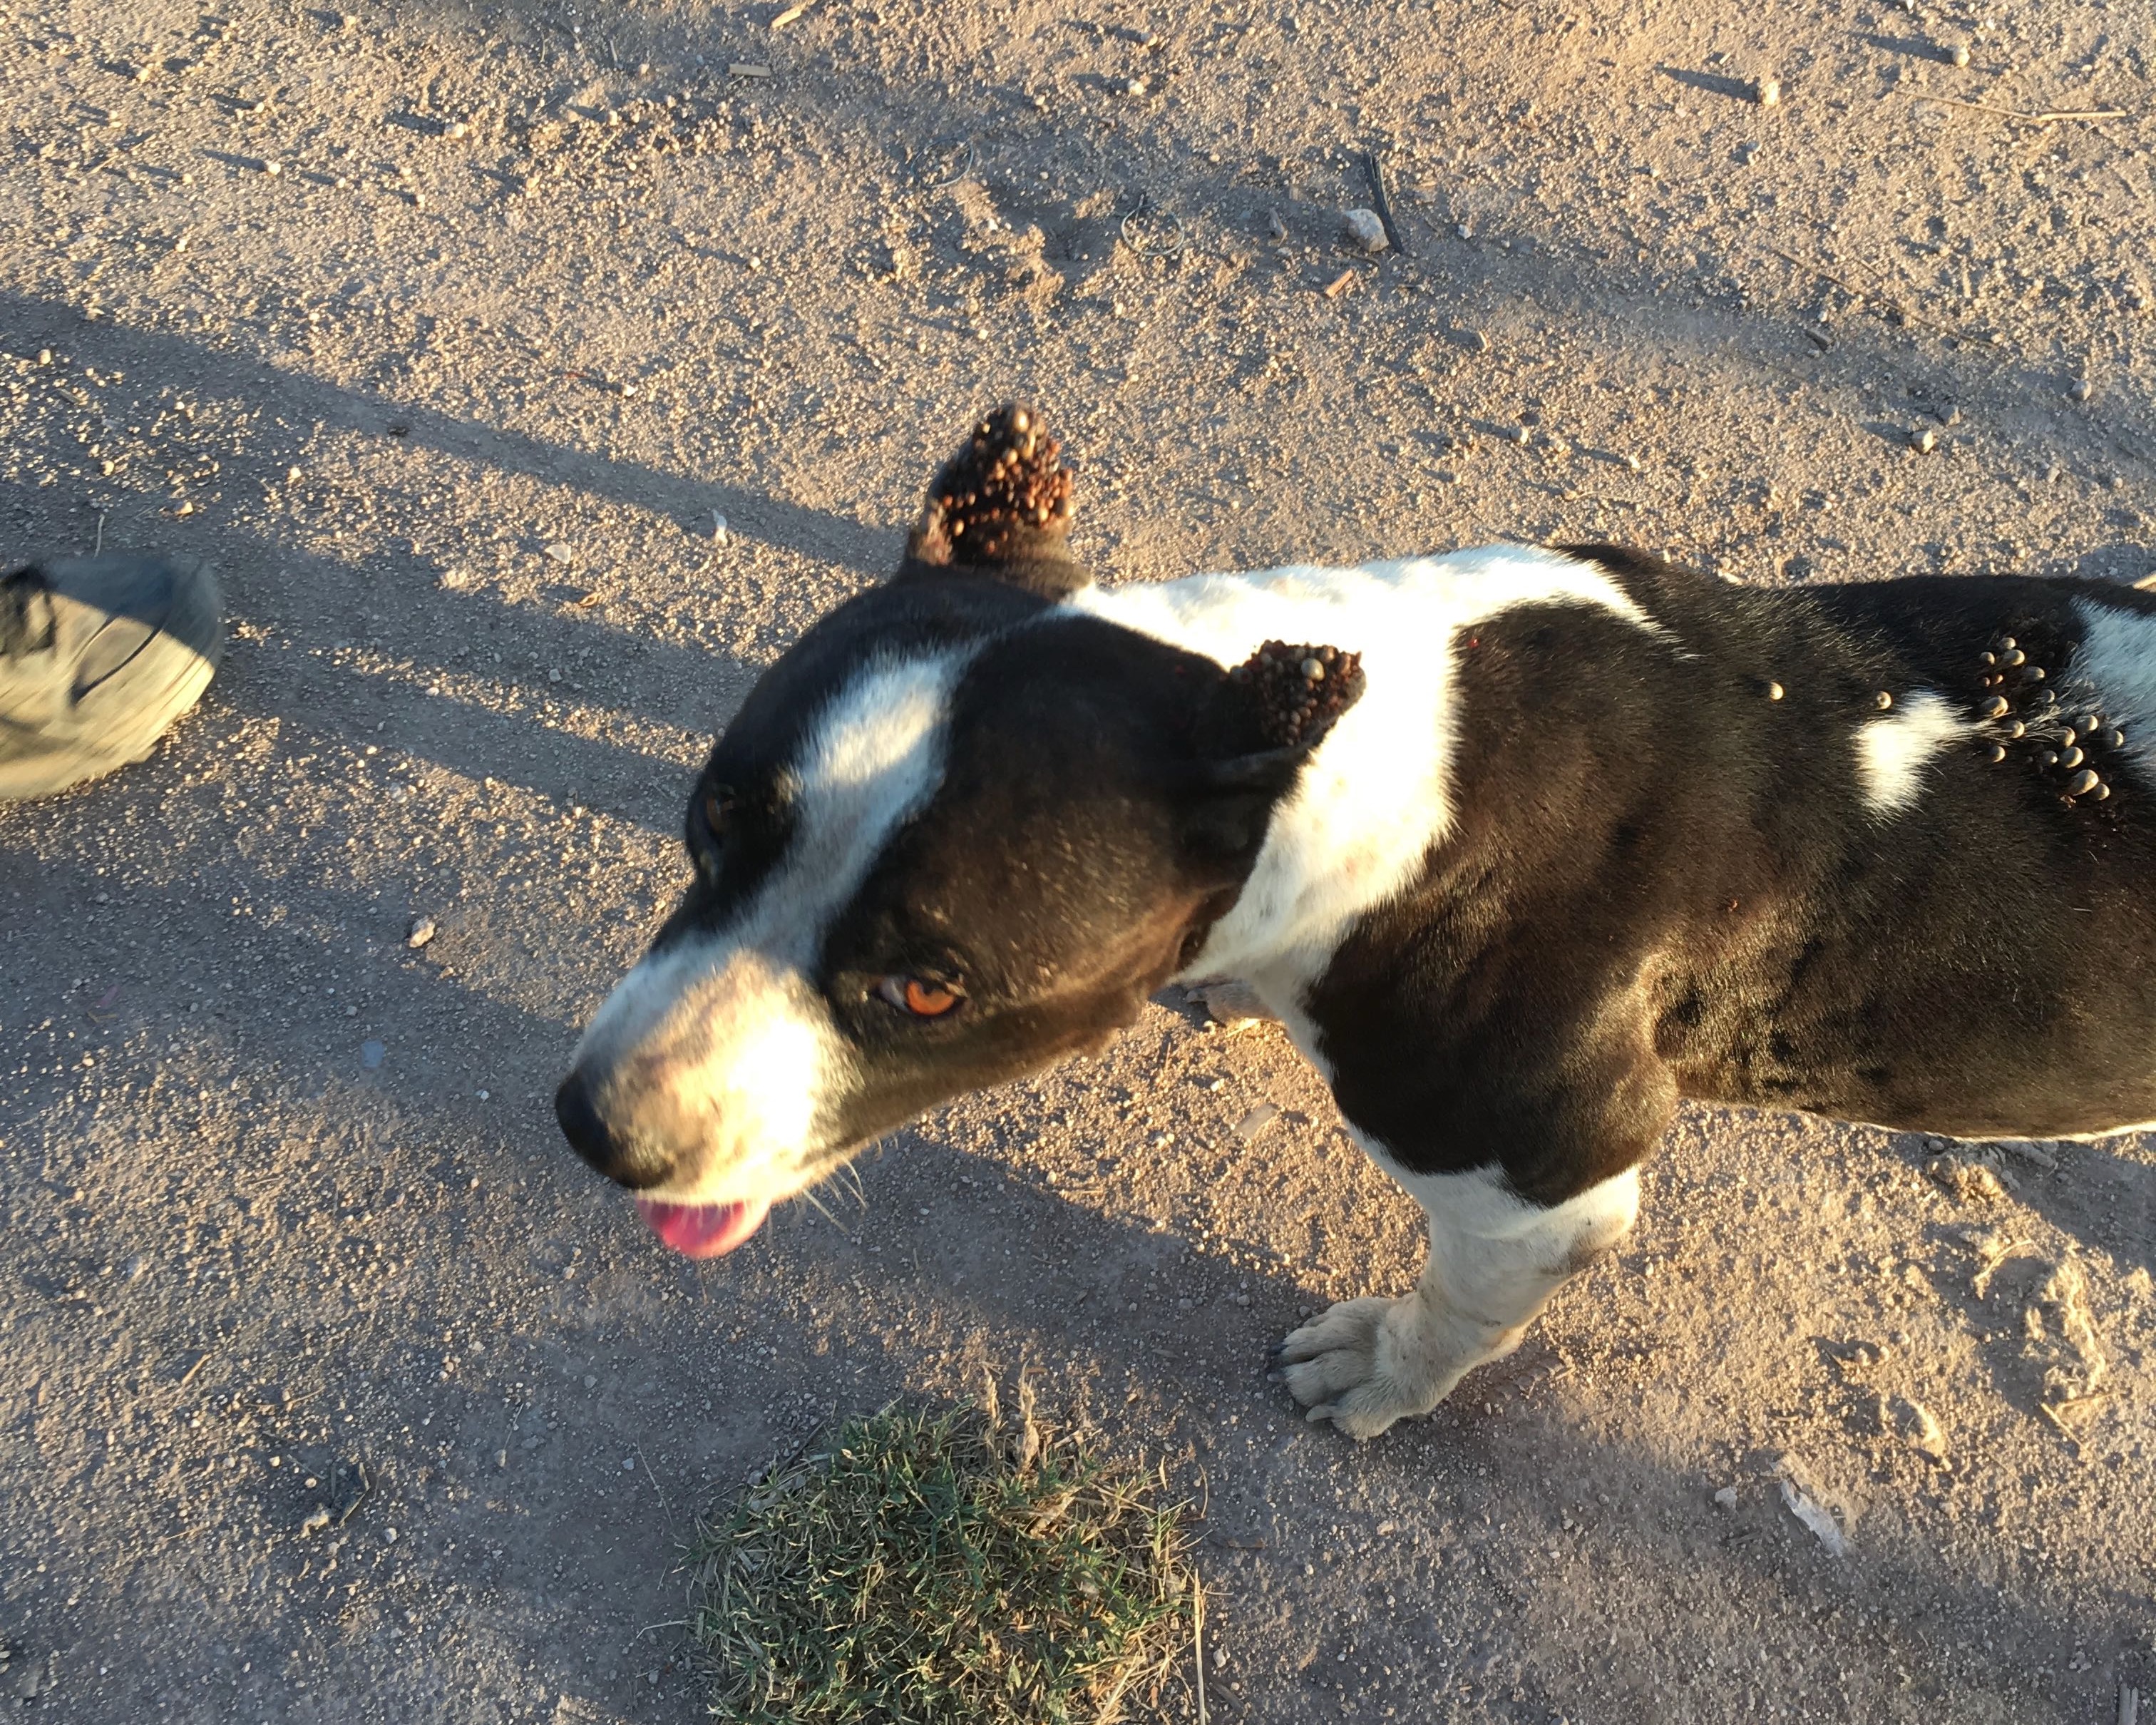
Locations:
{"points": [[1257, 1121], [1958, 53], [1365, 231], [2081, 389], [561, 553], [372, 1055], [1925, 441], [718, 528], [1917, 1426], [1769, 91], [1726, 1498], [1276, 229], [421, 931]]}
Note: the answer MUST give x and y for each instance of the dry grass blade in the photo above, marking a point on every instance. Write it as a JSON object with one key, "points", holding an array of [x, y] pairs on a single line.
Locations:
{"points": [[945, 1569]]}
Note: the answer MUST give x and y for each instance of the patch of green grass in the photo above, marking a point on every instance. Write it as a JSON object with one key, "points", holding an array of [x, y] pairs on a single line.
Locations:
{"points": [[945, 1569]]}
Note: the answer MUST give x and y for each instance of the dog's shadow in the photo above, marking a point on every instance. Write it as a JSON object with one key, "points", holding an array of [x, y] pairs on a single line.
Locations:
{"points": [[2041, 1303]]}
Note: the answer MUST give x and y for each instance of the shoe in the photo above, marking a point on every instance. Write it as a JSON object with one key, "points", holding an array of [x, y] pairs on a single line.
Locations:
{"points": [[98, 657]]}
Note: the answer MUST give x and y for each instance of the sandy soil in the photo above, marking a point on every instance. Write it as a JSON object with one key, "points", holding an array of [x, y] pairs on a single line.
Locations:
{"points": [[332, 1389]]}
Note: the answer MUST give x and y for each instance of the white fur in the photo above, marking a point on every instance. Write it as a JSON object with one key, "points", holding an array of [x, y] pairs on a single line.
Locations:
{"points": [[716, 1056], [2118, 661], [1893, 749], [1374, 797], [1495, 1261]]}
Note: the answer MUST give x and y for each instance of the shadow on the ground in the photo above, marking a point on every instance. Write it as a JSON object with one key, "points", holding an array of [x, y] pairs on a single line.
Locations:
{"points": [[306, 402]]}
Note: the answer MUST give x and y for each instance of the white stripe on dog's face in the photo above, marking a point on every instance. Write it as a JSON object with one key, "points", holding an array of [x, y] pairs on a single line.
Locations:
{"points": [[717, 1056]]}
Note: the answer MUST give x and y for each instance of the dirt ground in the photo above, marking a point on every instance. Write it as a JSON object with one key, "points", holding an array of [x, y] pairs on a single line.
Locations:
{"points": [[332, 1389]]}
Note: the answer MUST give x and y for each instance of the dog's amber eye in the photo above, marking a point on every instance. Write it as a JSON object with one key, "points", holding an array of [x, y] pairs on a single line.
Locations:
{"points": [[919, 997]]}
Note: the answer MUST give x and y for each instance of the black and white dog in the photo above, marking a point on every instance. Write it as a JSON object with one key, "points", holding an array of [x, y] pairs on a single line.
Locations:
{"points": [[1521, 844]]}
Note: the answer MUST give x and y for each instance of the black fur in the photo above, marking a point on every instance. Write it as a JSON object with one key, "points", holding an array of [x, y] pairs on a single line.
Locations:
{"points": [[1663, 883]]}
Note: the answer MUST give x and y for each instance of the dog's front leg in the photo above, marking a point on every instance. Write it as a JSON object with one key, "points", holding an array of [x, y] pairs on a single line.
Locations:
{"points": [[1495, 1261]]}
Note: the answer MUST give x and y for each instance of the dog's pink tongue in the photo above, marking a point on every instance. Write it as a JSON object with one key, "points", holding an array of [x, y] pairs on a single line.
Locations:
{"points": [[702, 1230]]}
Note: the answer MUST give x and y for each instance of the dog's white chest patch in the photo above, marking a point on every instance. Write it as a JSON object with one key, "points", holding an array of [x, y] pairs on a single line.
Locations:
{"points": [[1893, 749]]}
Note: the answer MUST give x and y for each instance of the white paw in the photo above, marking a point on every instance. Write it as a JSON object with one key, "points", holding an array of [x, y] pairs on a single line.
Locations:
{"points": [[1343, 1367]]}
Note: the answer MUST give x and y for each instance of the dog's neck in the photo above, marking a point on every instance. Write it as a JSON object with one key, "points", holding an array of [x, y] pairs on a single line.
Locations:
{"points": [[1359, 826]]}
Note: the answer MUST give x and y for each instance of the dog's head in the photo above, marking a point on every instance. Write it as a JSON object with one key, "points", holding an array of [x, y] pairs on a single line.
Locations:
{"points": [[955, 834]]}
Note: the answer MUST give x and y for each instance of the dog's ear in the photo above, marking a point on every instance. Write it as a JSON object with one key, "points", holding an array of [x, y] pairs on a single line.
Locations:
{"points": [[1000, 509], [1257, 728]]}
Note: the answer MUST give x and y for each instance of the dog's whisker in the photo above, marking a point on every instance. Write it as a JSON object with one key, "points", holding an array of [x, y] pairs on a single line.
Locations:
{"points": [[822, 1210]]}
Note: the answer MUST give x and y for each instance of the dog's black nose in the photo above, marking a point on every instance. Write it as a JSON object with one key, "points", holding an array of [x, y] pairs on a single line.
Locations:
{"points": [[592, 1138]]}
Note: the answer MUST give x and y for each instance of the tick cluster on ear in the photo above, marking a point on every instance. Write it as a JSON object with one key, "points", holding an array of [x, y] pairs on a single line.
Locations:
{"points": [[1295, 693], [2028, 720], [1005, 487]]}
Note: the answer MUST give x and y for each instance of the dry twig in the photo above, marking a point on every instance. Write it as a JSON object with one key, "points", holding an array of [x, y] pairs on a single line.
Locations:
{"points": [[2050, 116]]}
